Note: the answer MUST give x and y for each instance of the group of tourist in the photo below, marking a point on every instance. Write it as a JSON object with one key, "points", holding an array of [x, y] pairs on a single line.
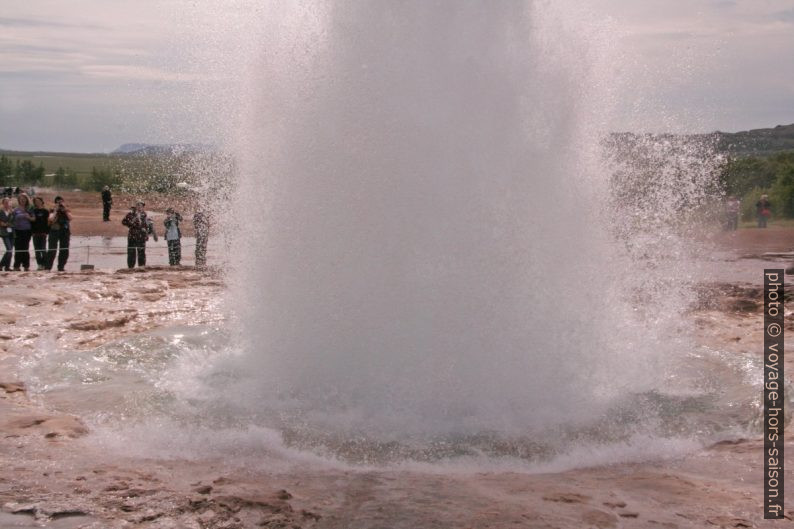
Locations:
{"points": [[49, 229], [141, 226], [733, 208]]}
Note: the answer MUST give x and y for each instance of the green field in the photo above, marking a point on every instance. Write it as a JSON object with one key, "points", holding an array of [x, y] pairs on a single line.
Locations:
{"points": [[127, 171], [80, 163]]}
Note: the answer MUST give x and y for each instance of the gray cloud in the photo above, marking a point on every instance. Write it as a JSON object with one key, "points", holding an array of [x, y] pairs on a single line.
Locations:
{"points": [[91, 74], [786, 16], [42, 23]]}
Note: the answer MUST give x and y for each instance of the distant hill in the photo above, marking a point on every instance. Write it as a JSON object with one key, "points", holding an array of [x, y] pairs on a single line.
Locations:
{"points": [[128, 148], [758, 142], [147, 149]]}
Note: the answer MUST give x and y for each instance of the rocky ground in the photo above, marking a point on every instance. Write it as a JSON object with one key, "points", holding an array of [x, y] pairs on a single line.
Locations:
{"points": [[50, 476]]}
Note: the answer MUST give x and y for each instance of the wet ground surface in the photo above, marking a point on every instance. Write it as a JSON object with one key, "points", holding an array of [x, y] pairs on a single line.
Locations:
{"points": [[55, 473]]}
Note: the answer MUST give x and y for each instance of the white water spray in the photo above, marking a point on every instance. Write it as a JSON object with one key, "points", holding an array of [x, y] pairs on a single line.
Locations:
{"points": [[423, 188]]}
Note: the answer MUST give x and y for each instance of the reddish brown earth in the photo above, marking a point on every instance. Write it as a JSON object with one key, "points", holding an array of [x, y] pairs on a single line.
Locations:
{"points": [[50, 475], [86, 208], [756, 241]]}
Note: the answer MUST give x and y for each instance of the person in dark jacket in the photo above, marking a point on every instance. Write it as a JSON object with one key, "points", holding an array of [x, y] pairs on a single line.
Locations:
{"points": [[22, 223], [201, 226], [40, 228], [763, 210], [60, 234], [173, 236], [107, 202], [6, 233], [139, 229]]}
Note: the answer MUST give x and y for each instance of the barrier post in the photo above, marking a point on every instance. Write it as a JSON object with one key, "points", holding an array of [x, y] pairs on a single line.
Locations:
{"points": [[87, 266]]}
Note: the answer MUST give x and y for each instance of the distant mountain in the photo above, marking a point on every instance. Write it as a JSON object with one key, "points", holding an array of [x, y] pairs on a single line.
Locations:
{"points": [[128, 148], [148, 149], [757, 142]]}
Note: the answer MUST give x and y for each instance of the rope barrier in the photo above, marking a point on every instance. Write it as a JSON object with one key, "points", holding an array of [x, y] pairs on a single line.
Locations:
{"points": [[107, 250], [182, 245]]}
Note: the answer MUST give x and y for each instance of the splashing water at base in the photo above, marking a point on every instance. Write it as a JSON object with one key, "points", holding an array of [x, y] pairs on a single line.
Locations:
{"points": [[165, 394], [435, 265]]}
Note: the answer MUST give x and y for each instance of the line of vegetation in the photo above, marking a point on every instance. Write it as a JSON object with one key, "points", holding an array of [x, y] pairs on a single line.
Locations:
{"points": [[134, 173], [750, 177], [756, 162]]}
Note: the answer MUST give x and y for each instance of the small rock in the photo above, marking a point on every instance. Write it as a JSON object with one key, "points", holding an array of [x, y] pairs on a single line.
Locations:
{"points": [[65, 513], [197, 504], [148, 516], [13, 387], [728, 521], [566, 497], [600, 519], [203, 489], [98, 325], [121, 485], [137, 492], [311, 515], [20, 508]]}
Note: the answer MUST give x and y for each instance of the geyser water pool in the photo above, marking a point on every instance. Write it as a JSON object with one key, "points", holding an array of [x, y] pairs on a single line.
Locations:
{"points": [[164, 394]]}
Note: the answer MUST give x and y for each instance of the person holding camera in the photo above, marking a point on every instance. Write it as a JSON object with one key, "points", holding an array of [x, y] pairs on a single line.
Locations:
{"points": [[139, 229], [173, 236], [60, 233]]}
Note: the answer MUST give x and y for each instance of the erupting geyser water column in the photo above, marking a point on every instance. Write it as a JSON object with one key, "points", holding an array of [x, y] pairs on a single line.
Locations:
{"points": [[423, 207]]}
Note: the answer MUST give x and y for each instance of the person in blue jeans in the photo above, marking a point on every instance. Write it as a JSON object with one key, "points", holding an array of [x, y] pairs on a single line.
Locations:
{"points": [[22, 219], [6, 233], [60, 233]]}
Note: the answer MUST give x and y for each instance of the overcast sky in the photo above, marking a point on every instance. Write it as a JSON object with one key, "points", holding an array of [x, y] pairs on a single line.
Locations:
{"points": [[89, 75]]}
